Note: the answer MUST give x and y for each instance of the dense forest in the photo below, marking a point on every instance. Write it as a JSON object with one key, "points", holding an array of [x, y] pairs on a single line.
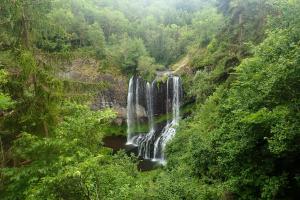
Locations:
{"points": [[65, 67]]}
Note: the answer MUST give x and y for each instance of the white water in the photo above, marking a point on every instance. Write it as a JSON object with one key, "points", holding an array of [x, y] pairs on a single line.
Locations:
{"points": [[152, 145], [167, 100], [137, 104], [144, 141], [169, 130], [130, 112], [150, 105]]}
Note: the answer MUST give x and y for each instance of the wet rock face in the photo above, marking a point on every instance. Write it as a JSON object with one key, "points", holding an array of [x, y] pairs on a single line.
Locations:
{"points": [[141, 111], [140, 97], [162, 92], [162, 96], [114, 93]]}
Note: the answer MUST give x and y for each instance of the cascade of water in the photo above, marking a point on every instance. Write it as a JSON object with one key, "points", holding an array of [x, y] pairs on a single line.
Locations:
{"points": [[144, 141], [169, 130], [130, 112], [176, 99], [150, 105], [152, 144], [137, 104], [167, 100]]}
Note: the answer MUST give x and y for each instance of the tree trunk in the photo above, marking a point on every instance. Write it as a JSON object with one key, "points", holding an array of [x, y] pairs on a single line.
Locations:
{"points": [[46, 128], [241, 21], [2, 154]]}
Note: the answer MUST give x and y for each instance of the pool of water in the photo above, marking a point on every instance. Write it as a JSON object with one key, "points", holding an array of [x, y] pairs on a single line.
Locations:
{"points": [[119, 142]]}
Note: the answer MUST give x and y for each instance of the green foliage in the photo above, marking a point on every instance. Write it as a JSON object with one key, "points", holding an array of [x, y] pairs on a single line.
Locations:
{"points": [[37, 94], [71, 158], [205, 25], [5, 100], [128, 52], [165, 29], [245, 135], [218, 57], [147, 67], [241, 141], [96, 38]]}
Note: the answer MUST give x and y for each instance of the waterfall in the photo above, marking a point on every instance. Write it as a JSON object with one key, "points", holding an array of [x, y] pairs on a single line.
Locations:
{"points": [[169, 130], [151, 145], [144, 141], [150, 105], [137, 103], [130, 112], [167, 100], [176, 100]]}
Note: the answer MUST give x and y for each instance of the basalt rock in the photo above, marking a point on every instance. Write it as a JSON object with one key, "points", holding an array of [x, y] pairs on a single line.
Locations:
{"points": [[111, 95]]}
